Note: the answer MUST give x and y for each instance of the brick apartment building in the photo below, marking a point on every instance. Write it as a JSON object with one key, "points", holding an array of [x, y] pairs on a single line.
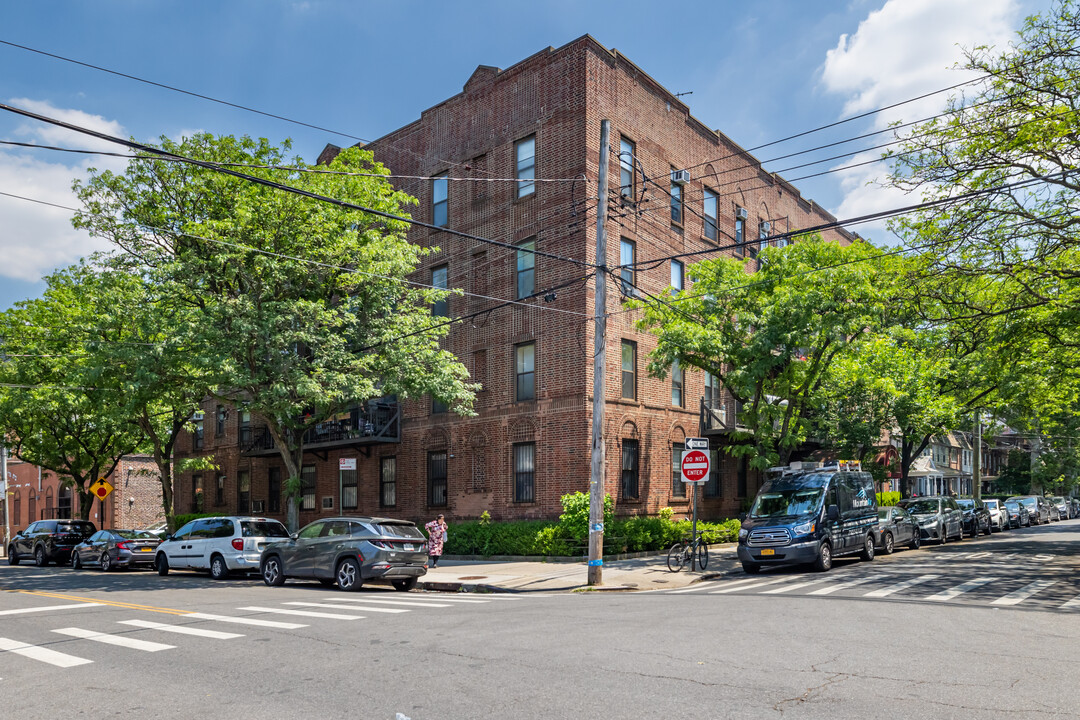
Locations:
{"points": [[515, 158]]}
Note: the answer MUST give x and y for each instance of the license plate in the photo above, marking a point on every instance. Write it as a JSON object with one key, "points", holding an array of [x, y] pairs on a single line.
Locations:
{"points": [[146, 549], [768, 551], [410, 546]]}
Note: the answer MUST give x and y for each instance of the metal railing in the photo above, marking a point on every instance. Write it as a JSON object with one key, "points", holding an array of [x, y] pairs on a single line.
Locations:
{"points": [[374, 423]]}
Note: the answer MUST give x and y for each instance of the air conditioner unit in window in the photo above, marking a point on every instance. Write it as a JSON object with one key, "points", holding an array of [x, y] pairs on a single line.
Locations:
{"points": [[680, 177], [328, 503], [766, 226], [740, 213], [258, 506]]}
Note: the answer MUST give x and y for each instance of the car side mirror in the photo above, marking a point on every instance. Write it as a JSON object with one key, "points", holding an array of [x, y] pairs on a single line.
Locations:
{"points": [[742, 517], [833, 513], [294, 536], [168, 537]]}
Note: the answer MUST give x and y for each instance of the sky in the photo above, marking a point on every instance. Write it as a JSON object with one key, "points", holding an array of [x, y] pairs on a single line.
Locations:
{"points": [[757, 71]]}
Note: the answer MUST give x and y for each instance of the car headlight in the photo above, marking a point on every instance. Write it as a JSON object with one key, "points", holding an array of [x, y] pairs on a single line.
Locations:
{"points": [[927, 520], [743, 532], [804, 529]]}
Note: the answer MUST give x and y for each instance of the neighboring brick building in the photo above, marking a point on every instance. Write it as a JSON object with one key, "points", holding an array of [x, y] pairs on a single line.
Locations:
{"points": [[530, 442]]}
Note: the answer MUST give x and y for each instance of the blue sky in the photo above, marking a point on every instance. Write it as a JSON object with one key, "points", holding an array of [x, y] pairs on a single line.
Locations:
{"points": [[758, 71]]}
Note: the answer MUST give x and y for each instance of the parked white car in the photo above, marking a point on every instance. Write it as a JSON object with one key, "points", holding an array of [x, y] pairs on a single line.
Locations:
{"points": [[999, 517], [218, 544]]}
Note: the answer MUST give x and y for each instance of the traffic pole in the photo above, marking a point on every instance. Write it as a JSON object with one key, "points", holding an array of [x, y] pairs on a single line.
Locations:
{"points": [[976, 462], [596, 480], [693, 555], [7, 496]]}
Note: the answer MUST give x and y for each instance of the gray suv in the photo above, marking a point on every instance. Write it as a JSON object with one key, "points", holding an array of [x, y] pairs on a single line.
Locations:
{"points": [[349, 551]]}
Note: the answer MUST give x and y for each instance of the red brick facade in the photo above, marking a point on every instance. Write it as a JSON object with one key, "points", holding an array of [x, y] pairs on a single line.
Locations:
{"points": [[558, 97]]}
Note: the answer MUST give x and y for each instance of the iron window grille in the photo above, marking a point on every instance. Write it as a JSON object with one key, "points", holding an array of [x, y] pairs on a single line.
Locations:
{"points": [[524, 472], [437, 478]]}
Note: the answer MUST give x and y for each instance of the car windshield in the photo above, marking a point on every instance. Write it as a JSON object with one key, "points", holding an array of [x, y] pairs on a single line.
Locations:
{"points": [[1012, 505], [263, 528], [77, 528], [397, 529], [921, 507], [966, 504], [1028, 502], [990, 503], [781, 503]]}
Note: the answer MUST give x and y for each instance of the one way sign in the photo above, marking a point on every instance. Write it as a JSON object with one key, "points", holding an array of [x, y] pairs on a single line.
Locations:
{"points": [[694, 443]]}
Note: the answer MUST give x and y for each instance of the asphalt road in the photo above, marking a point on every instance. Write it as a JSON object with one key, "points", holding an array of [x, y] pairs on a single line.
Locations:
{"points": [[984, 628]]}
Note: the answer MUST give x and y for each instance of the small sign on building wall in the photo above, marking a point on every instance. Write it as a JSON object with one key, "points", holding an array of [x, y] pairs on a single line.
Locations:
{"points": [[347, 464]]}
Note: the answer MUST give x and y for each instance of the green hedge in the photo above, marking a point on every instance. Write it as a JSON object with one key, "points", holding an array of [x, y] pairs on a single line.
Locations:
{"points": [[884, 499]]}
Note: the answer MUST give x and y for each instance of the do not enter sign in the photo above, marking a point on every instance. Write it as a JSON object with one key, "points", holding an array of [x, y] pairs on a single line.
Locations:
{"points": [[695, 466]]}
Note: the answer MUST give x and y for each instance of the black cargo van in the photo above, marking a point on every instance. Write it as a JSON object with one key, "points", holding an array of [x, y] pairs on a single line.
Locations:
{"points": [[810, 517]]}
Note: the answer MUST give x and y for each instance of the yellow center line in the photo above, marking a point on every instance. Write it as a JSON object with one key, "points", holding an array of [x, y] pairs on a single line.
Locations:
{"points": [[114, 603]]}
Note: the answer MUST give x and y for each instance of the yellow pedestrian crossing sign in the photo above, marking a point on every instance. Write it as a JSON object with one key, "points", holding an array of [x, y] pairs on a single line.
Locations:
{"points": [[100, 488]]}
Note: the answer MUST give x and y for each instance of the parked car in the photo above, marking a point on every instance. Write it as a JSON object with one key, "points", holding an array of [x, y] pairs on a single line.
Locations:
{"points": [[110, 549], [349, 551], [1074, 508], [939, 518], [976, 517], [218, 544], [1037, 507], [1018, 514], [1062, 506], [1052, 509], [809, 517], [896, 526], [48, 541], [999, 516], [160, 529]]}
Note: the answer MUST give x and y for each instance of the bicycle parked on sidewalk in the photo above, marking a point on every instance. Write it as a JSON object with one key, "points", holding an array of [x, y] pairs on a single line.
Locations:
{"points": [[682, 553]]}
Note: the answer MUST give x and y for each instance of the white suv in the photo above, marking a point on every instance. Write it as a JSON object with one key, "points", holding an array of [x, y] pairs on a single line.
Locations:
{"points": [[218, 544]]}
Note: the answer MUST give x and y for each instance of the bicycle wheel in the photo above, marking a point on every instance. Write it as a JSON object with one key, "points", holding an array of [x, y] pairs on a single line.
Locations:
{"points": [[702, 556], [676, 557]]}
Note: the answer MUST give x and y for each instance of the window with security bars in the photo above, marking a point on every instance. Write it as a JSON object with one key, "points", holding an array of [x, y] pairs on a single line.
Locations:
{"points": [[678, 487], [273, 490], [388, 482], [348, 489], [437, 478], [243, 492], [307, 487], [629, 469], [524, 472]]}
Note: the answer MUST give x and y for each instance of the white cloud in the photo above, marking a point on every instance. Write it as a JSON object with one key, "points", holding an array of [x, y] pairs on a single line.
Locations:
{"points": [[36, 238], [903, 50]]}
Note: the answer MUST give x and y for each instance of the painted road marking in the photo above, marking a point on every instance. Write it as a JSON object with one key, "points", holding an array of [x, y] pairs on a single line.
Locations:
{"points": [[830, 589], [409, 603], [48, 608], [749, 587], [97, 601], [41, 654], [440, 599], [1074, 603], [180, 629], [1019, 596], [785, 588], [363, 608], [886, 591], [696, 588], [959, 589], [245, 621], [120, 640], [304, 613]]}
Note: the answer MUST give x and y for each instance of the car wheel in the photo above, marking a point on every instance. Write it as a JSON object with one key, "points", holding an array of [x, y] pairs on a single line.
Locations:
{"points": [[39, 557], [105, 561], [12, 556], [348, 575], [76, 561], [887, 544], [916, 540], [989, 530], [404, 585], [824, 557], [868, 548], [943, 535], [271, 571], [218, 569], [162, 564], [751, 568]]}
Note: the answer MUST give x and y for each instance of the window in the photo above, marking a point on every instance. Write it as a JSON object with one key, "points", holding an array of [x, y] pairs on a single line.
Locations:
{"points": [[197, 431], [753, 248], [677, 276], [219, 491], [438, 406], [740, 234], [196, 494], [525, 372], [709, 209], [439, 204], [740, 488], [388, 482], [440, 308], [629, 370], [274, 490], [221, 415], [525, 169], [712, 485], [437, 478], [347, 479], [676, 204], [525, 472], [243, 492], [677, 375], [629, 469], [312, 531], [712, 391], [626, 168], [678, 487], [526, 269], [245, 426], [626, 260], [307, 487]]}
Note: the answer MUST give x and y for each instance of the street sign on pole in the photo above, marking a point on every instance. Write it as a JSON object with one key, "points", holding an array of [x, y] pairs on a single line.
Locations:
{"points": [[696, 443], [100, 488], [695, 466]]}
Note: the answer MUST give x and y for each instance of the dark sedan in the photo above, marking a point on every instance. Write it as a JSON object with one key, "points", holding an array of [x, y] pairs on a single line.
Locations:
{"points": [[939, 518], [1038, 509], [896, 527], [976, 517], [1018, 514], [349, 551], [108, 549]]}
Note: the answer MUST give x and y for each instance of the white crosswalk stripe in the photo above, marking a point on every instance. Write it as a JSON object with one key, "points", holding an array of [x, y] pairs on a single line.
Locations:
{"points": [[960, 589], [829, 590], [788, 588], [245, 621], [440, 599], [903, 585], [119, 640], [48, 608], [41, 654], [749, 587], [407, 603], [304, 613], [1074, 603], [181, 629], [362, 608], [695, 588], [1018, 596]]}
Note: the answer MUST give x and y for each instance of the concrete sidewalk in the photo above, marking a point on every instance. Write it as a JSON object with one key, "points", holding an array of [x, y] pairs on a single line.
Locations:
{"points": [[650, 573]]}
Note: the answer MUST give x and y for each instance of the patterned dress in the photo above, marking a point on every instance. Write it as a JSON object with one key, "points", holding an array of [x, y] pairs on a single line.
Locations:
{"points": [[436, 532]]}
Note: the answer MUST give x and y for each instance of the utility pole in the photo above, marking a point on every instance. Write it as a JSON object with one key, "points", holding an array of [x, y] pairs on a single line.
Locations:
{"points": [[596, 480], [7, 496], [976, 462]]}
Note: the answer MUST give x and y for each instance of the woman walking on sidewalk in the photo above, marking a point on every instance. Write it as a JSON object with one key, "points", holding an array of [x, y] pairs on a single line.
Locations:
{"points": [[436, 537]]}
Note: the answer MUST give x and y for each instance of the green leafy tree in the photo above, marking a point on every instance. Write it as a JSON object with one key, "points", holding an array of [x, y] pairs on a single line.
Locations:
{"points": [[299, 309]]}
